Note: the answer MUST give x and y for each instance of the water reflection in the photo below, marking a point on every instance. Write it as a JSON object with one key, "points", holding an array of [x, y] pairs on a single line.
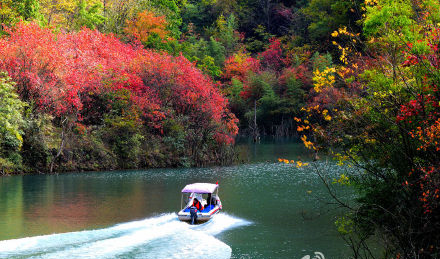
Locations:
{"points": [[43, 204], [270, 149]]}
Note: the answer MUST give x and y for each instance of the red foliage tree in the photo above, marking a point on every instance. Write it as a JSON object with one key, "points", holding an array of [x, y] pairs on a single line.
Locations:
{"points": [[421, 118], [65, 74], [34, 59], [239, 65], [272, 57]]}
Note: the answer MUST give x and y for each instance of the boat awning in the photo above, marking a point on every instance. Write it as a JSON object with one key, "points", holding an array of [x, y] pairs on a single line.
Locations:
{"points": [[200, 188]]}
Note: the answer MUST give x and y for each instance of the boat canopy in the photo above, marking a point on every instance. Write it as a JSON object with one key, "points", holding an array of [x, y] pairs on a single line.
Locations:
{"points": [[200, 188]]}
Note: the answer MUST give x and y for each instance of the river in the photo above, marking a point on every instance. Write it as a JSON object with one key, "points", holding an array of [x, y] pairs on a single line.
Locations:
{"points": [[270, 210]]}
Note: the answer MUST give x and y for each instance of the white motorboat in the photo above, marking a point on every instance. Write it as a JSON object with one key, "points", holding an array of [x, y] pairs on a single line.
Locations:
{"points": [[207, 195]]}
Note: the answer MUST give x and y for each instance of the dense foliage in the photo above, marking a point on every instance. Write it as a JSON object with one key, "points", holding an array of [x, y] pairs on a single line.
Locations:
{"points": [[96, 84], [11, 123], [97, 90], [379, 111], [284, 37]]}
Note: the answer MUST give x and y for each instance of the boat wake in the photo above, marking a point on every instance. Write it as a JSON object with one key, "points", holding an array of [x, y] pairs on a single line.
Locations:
{"points": [[163, 236]]}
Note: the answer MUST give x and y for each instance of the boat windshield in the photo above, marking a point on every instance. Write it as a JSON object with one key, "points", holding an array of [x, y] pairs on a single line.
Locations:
{"points": [[205, 199]]}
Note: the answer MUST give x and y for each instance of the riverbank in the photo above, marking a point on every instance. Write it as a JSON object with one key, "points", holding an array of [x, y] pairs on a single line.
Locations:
{"points": [[100, 150], [89, 153]]}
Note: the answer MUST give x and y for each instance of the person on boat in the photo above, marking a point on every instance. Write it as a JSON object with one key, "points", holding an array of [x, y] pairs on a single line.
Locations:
{"points": [[211, 199], [197, 204]]}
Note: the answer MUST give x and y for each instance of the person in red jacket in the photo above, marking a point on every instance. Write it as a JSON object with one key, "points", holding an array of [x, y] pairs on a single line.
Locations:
{"points": [[197, 204]]}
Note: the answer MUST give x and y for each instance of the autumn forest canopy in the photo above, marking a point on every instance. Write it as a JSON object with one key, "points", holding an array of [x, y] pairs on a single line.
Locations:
{"points": [[107, 84]]}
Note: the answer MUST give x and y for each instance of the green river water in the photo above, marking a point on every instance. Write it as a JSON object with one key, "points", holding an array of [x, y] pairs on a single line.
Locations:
{"points": [[270, 210]]}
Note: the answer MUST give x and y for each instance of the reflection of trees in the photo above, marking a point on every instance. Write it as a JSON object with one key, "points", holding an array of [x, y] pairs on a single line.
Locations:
{"points": [[72, 202], [11, 206], [46, 204]]}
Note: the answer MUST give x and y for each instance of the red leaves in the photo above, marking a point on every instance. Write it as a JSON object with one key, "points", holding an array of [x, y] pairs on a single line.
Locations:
{"points": [[239, 66], [429, 188], [272, 56], [62, 72], [411, 60], [422, 117]]}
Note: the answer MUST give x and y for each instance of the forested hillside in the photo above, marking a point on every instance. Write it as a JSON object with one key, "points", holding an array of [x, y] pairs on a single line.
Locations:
{"points": [[127, 84], [105, 84]]}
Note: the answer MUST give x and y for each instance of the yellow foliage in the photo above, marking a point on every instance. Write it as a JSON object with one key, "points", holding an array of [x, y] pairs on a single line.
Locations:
{"points": [[371, 2], [343, 180], [7, 12], [301, 164], [307, 143], [341, 158], [324, 79], [60, 12]]}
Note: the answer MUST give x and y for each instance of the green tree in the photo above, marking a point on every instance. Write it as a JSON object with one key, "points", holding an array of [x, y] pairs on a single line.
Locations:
{"points": [[28, 9], [260, 39], [225, 32], [327, 16], [13, 10], [169, 8], [11, 123], [88, 16], [209, 55]]}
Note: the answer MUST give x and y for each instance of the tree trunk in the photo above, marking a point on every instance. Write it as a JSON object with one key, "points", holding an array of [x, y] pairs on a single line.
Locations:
{"points": [[255, 131], [60, 150]]}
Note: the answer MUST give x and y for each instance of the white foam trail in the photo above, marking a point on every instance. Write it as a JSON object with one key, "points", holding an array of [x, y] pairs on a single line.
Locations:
{"points": [[48, 242], [220, 223], [158, 237]]}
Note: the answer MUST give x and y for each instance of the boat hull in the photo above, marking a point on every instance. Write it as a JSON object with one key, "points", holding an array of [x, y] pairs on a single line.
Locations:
{"points": [[184, 215]]}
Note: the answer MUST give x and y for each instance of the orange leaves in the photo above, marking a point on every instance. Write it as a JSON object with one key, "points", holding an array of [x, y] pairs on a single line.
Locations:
{"points": [[292, 162], [308, 144], [429, 136], [146, 24], [239, 65], [429, 187]]}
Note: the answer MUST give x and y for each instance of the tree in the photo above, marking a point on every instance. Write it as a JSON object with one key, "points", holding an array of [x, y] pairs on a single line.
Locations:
{"points": [[118, 12], [11, 11], [239, 65], [272, 57], [225, 32], [146, 24], [327, 16], [27, 9], [89, 79], [169, 8], [88, 16], [383, 119], [11, 123]]}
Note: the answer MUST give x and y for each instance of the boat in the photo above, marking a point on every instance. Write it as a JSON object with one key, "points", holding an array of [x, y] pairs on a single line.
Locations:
{"points": [[207, 194]]}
